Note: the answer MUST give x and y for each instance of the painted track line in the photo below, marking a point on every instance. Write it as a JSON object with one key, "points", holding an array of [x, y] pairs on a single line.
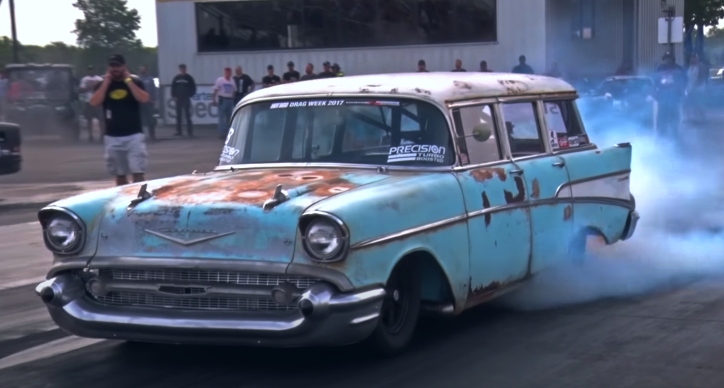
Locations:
{"points": [[47, 350]]}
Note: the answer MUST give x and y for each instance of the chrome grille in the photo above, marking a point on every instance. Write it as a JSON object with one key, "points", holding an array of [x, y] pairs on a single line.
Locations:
{"points": [[183, 283], [207, 276], [191, 303]]}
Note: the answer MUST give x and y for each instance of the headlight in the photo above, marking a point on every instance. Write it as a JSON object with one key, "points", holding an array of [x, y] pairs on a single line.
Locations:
{"points": [[325, 239], [62, 231]]}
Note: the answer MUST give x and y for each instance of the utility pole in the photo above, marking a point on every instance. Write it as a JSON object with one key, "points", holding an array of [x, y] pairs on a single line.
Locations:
{"points": [[670, 12], [14, 31]]}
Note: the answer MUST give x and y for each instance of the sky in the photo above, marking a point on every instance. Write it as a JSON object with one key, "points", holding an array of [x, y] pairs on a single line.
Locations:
{"points": [[56, 20]]}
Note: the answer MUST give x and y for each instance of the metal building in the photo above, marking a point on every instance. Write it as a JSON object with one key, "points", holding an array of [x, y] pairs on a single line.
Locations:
{"points": [[376, 36]]}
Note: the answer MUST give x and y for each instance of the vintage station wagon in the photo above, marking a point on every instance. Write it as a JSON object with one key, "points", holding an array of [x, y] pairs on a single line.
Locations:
{"points": [[340, 209]]}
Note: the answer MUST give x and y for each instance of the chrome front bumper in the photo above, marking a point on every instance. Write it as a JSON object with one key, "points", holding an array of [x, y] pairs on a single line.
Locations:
{"points": [[325, 317]]}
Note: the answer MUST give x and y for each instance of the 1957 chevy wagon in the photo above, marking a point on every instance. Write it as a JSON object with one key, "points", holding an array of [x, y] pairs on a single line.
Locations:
{"points": [[340, 209]]}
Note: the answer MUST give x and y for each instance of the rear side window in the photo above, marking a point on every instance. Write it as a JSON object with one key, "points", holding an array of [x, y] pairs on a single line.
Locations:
{"points": [[564, 125], [522, 127]]}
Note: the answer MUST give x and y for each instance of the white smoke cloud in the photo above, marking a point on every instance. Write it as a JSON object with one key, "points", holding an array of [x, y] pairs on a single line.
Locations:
{"points": [[679, 238]]}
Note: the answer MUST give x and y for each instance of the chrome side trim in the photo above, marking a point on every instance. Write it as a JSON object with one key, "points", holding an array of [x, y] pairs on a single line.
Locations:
{"points": [[409, 232], [496, 209], [82, 235], [589, 179]]}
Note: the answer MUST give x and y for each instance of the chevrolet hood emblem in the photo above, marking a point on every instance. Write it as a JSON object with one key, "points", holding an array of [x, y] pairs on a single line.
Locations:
{"points": [[187, 237]]}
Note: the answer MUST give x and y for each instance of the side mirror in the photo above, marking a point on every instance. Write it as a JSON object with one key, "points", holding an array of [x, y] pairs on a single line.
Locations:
{"points": [[482, 132]]}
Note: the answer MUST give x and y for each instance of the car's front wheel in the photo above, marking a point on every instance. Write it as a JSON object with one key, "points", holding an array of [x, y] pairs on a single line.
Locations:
{"points": [[400, 310]]}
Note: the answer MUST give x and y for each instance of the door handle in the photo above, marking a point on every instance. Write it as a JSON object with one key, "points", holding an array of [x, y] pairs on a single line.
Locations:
{"points": [[559, 164], [517, 172]]}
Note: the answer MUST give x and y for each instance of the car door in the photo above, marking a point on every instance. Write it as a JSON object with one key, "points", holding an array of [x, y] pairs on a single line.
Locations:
{"points": [[544, 174], [599, 178], [494, 194]]}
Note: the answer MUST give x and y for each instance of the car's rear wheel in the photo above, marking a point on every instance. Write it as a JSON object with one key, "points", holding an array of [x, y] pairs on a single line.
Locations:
{"points": [[400, 310]]}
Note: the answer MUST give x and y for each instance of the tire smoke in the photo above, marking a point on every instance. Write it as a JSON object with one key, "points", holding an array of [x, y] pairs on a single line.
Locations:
{"points": [[679, 239]]}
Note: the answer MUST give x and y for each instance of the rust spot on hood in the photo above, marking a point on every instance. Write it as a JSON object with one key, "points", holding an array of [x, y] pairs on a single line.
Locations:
{"points": [[536, 189], [254, 186], [483, 175]]}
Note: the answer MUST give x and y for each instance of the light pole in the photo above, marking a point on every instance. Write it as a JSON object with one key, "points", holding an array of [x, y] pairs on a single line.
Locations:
{"points": [[670, 12], [14, 31]]}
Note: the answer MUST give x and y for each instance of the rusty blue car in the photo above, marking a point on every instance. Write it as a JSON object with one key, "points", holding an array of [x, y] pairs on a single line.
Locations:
{"points": [[340, 210]]}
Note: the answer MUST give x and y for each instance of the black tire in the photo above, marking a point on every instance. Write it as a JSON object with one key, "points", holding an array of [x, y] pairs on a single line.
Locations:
{"points": [[400, 310]]}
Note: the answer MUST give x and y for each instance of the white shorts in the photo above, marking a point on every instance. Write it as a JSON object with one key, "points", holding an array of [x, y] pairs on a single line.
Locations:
{"points": [[126, 154]]}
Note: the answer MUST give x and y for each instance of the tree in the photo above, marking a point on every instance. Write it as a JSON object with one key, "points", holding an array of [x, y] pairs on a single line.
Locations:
{"points": [[703, 12], [107, 25]]}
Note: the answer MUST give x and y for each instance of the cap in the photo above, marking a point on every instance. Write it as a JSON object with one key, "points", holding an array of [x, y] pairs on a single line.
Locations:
{"points": [[290, 63], [421, 62], [182, 65], [335, 66], [90, 67], [116, 59], [326, 63], [270, 67]]}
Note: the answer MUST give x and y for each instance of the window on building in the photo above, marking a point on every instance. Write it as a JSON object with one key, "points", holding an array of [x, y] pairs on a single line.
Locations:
{"points": [[584, 13], [290, 24]]}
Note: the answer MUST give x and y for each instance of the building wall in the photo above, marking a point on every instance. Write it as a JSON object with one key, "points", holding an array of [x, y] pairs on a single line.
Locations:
{"points": [[601, 54], [521, 30], [647, 45]]}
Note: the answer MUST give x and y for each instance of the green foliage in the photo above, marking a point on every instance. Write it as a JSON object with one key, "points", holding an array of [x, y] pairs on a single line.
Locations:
{"points": [[107, 24], [79, 57], [703, 12]]}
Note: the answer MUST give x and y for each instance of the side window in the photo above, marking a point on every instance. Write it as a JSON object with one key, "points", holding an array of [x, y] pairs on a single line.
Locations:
{"points": [[564, 126], [522, 127], [473, 150]]}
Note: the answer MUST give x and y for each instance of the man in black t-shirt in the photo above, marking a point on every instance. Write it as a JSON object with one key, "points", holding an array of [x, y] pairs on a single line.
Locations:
{"points": [[244, 84], [121, 95], [327, 71], [291, 75], [270, 79]]}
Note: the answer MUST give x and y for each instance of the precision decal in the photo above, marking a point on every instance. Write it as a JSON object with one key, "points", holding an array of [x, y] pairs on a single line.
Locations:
{"points": [[417, 153]]}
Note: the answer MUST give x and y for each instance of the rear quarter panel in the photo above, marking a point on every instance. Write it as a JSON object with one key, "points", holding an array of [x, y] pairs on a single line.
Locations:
{"points": [[600, 188]]}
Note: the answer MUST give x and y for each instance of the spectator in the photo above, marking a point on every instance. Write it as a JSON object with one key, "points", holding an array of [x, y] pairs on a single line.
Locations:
{"points": [[183, 87], [697, 77], [458, 66], [422, 66], [270, 79], [244, 84], [554, 71], [148, 110], [484, 67], [309, 72], [522, 67], [87, 86], [223, 97], [121, 96], [626, 68], [670, 80], [291, 75], [327, 71], [337, 71]]}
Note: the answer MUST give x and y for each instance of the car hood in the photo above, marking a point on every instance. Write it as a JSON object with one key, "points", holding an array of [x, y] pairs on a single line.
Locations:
{"points": [[219, 215]]}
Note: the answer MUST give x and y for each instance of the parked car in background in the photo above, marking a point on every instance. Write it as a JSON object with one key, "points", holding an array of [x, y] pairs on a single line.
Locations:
{"points": [[620, 99], [10, 155], [340, 209]]}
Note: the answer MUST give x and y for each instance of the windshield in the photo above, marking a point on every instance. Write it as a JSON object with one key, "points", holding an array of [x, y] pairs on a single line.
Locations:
{"points": [[38, 84], [352, 130]]}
